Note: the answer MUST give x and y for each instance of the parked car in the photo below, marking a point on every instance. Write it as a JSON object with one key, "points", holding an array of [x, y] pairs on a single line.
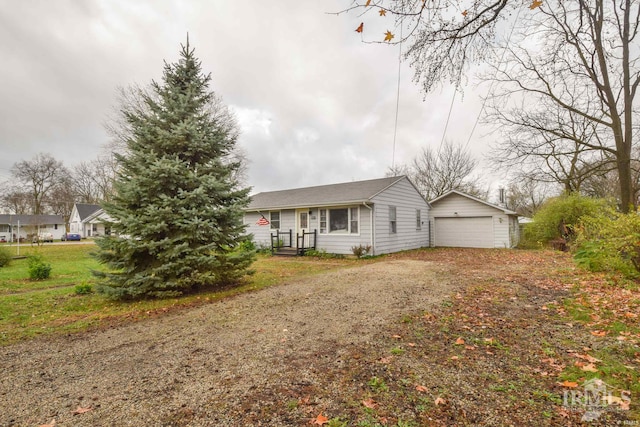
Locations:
{"points": [[43, 237], [71, 236]]}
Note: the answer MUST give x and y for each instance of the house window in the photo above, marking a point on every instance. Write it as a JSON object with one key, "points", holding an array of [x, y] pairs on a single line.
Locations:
{"points": [[418, 221], [274, 219], [353, 220], [341, 220], [392, 219], [323, 221]]}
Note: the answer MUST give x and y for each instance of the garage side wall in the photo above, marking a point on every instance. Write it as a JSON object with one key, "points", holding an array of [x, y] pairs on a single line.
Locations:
{"points": [[469, 212]]}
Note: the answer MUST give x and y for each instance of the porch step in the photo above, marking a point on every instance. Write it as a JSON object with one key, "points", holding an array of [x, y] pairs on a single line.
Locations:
{"points": [[286, 252]]}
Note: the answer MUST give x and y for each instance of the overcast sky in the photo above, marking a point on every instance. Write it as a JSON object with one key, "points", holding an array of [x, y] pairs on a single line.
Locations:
{"points": [[315, 104]]}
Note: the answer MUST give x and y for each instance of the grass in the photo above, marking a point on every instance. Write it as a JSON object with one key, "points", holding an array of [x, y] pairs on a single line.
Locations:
{"points": [[54, 306]]}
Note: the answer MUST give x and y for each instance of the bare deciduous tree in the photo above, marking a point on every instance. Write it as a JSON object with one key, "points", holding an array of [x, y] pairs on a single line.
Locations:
{"points": [[580, 56], [38, 178], [434, 172]]}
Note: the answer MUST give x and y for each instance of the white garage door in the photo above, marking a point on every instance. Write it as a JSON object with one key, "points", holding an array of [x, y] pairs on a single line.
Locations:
{"points": [[475, 232]]}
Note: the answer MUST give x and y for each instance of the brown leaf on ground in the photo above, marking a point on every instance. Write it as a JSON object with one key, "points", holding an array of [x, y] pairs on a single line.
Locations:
{"points": [[370, 403], [422, 389], [81, 410], [51, 424], [319, 420], [440, 401], [460, 341]]}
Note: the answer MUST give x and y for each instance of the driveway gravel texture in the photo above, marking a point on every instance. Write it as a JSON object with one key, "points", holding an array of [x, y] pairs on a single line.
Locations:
{"points": [[233, 362]]}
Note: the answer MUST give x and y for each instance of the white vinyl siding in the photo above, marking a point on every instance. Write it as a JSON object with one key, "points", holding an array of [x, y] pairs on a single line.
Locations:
{"points": [[406, 199]]}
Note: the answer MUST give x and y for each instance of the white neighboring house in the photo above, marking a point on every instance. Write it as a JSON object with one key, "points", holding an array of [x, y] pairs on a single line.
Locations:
{"points": [[388, 214], [461, 220], [88, 220], [28, 226]]}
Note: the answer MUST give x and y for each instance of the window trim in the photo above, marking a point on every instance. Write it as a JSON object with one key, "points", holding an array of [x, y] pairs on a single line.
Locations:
{"points": [[324, 216]]}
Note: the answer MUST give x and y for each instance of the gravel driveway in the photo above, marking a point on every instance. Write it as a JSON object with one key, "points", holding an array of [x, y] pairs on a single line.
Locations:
{"points": [[222, 364]]}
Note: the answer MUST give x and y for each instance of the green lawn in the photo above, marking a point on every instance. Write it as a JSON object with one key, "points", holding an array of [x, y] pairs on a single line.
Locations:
{"points": [[30, 308]]}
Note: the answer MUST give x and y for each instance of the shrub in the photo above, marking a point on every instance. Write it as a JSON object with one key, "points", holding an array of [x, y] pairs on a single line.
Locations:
{"points": [[610, 242], [83, 289], [5, 256], [559, 217], [38, 269], [361, 251]]}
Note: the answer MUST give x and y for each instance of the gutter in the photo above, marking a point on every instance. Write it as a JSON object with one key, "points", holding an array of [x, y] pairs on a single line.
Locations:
{"points": [[371, 228]]}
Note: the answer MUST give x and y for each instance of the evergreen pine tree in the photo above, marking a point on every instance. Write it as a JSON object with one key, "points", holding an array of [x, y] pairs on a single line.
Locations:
{"points": [[177, 216]]}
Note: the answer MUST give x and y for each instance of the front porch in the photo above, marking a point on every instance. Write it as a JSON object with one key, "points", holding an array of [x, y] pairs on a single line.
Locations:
{"points": [[283, 243]]}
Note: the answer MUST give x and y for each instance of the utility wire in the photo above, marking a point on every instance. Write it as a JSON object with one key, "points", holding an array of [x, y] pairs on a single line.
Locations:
{"points": [[395, 127]]}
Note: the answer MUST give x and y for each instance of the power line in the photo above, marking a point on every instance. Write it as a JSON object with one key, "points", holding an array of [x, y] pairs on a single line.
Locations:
{"points": [[395, 127]]}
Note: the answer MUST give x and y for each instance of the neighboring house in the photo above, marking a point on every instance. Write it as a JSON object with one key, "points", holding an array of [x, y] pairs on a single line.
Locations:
{"points": [[88, 220], [27, 226], [461, 220], [387, 214]]}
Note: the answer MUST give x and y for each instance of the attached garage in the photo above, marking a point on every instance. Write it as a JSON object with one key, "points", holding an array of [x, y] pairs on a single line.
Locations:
{"points": [[461, 220], [472, 232]]}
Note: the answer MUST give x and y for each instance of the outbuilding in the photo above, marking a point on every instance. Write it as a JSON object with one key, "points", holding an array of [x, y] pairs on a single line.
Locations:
{"points": [[461, 220]]}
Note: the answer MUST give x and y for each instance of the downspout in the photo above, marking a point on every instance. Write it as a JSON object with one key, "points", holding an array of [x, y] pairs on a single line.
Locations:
{"points": [[371, 228]]}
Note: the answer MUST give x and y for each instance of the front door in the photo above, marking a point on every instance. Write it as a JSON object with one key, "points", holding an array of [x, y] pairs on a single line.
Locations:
{"points": [[302, 226]]}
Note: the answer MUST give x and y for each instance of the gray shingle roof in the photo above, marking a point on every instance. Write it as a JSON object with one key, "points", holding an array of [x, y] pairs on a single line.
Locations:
{"points": [[322, 195], [31, 219], [85, 209]]}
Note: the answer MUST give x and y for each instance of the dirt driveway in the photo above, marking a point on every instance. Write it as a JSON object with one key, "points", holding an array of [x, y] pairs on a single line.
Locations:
{"points": [[248, 360]]}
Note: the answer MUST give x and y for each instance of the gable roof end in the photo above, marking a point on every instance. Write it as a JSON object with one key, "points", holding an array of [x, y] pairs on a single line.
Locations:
{"points": [[468, 196]]}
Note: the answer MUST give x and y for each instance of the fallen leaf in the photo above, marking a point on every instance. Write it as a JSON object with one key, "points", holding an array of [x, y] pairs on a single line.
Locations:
{"points": [[397, 337], [460, 341], [590, 368], [421, 388], [440, 401], [360, 27], [383, 12], [569, 384], [319, 420], [388, 36], [370, 403], [535, 4], [489, 340], [411, 344], [454, 358], [385, 360], [51, 424], [598, 333], [80, 410]]}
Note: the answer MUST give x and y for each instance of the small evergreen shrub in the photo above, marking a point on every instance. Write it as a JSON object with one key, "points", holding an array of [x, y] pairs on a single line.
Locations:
{"points": [[5, 257], [38, 269], [83, 289]]}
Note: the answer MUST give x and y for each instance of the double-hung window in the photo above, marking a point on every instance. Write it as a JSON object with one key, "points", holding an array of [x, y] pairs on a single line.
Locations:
{"points": [[393, 223], [274, 219], [418, 220]]}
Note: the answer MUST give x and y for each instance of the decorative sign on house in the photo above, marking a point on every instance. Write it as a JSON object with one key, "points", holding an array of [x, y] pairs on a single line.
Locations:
{"points": [[263, 221]]}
